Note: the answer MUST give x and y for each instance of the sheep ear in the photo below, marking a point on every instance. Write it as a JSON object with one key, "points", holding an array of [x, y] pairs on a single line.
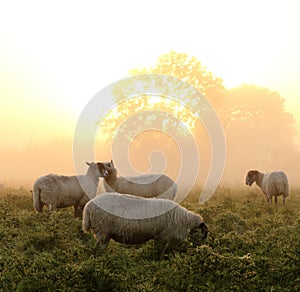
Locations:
{"points": [[88, 163], [112, 162]]}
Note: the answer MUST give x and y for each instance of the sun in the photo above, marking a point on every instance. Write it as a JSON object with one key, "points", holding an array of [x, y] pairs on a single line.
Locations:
{"points": [[144, 111]]}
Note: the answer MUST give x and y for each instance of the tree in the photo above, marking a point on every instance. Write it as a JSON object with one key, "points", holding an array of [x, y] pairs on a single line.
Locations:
{"points": [[259, 132], [180, 66], [158, 112]]}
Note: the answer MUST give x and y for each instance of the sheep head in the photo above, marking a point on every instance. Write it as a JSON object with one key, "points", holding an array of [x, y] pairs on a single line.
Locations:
{"points": [[251, 177], [109, 166], [204, 230], [198, 234], [102, 169], [97, 168]]}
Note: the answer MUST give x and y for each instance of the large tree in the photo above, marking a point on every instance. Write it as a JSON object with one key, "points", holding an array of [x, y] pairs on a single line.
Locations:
{"points": [[259, 131], [158, 112], [178, 65]]}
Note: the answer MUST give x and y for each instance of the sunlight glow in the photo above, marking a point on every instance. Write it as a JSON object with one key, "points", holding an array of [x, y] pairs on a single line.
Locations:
{"points": [[56, 56], [114, 118]]}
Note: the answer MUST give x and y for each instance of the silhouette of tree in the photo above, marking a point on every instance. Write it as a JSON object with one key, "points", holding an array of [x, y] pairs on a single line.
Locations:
{"points": [[259, 132], [168, 115]]}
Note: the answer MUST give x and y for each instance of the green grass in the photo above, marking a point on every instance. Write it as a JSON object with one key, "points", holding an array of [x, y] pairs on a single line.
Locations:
{"points": [[252, 246]]}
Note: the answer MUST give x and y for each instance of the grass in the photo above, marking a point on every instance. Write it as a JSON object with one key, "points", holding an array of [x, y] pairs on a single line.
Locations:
{"points": [[252, 246]]}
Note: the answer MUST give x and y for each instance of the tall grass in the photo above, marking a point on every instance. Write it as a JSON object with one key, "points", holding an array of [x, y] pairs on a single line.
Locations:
{"points": [[252, 246]]}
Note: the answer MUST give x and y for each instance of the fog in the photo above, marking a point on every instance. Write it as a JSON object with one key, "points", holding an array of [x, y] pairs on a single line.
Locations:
{"points": [[153, 135], [259, 135]]}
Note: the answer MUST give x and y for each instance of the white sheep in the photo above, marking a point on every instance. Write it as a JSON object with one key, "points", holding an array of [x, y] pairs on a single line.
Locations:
{"points": [[60, 191], [148, 186], [134, 220], [272, 183]]}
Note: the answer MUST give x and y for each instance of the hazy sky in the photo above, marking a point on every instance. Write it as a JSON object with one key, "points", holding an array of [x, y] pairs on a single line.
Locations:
{"points": [[56, 55]]}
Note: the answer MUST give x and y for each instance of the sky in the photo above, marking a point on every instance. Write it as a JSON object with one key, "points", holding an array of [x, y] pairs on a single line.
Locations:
{"points": [[56, 55]]}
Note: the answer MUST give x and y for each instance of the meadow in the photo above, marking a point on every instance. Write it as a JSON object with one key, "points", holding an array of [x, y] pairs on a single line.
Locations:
{"points": [[252, 246]]}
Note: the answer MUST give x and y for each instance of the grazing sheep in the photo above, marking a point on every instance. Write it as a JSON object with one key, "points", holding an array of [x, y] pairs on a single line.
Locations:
{"points": [[134, 220], [148, 186], [59, 191], [272, 184]]}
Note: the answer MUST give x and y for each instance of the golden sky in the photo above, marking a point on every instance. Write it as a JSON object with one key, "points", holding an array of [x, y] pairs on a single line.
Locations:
{"points": [[56, 55]]}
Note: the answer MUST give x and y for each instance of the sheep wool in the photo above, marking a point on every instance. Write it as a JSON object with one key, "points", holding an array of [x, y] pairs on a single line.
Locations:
{"points": [[272, 184], [59, 191], [148, 186], [133, 220]]}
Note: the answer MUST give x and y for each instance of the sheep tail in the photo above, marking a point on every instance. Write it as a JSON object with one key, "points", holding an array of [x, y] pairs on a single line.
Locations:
{"points": [[37, 199], [86, 221]]}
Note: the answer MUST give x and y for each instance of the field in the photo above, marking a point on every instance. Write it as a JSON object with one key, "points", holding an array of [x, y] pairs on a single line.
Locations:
{"points": [[251, 246]]}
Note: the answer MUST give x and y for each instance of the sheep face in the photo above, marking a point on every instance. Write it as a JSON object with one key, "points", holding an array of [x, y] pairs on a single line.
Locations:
{"points": [[251, 177], [98, 169], [109, 166], [198, 234], [203, 228], [102, 169]]}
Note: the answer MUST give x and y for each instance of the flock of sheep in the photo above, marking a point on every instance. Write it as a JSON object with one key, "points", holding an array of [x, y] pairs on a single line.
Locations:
{"points": [[136, 209]]}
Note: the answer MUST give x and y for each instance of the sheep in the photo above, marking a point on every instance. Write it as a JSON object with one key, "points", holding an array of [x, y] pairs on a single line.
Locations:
{"points": [[148, 186], [60, 191], [130, 219], [272, 184]]}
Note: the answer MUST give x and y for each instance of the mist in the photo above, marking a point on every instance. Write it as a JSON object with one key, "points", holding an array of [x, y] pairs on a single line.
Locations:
{"points": [[259, 134]]}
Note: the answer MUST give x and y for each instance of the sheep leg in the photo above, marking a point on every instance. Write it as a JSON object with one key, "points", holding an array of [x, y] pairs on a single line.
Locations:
{"points": [[102, 241], [41, 207], [99, 247], [283, 201], [78, 211], [269, 199], [164, 250], [52, 207], [275, 199], [266, 197]]}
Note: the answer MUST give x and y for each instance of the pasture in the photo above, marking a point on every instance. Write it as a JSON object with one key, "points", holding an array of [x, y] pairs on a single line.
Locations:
{"points": [[252, 246]]}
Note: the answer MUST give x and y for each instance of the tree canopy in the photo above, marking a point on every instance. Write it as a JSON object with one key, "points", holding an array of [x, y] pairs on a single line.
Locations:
{"points": [[259, 132]]}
